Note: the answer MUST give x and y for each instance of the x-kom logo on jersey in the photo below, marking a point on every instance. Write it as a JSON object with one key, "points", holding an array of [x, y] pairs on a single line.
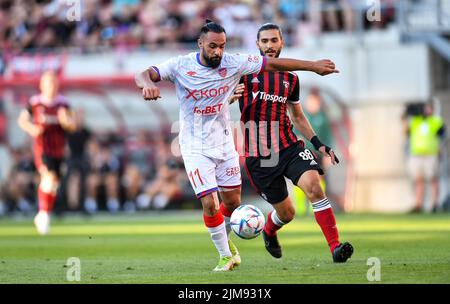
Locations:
{"points": [[206, 93]]}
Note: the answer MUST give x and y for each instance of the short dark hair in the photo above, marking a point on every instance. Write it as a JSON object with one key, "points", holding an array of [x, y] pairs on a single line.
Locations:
{"points": [[211, 26], [269, 26]]}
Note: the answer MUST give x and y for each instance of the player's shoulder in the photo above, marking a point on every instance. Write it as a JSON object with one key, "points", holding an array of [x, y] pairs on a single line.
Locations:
{"points": [[61, 101], [34, 100], [190, 57]]}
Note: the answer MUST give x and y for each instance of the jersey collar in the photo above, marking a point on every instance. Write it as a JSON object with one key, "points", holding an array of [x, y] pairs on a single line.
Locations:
{"points": [[199, 62]]}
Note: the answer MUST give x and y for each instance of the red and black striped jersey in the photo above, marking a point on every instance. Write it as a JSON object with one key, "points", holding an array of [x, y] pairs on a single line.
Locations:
{"points": [[52, 140], [263, 104]]}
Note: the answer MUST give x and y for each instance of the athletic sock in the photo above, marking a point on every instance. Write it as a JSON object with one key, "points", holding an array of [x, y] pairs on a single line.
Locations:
{"points": [[46, 200], [226, 216], [216, 228], [325, 218], [273, 223]]}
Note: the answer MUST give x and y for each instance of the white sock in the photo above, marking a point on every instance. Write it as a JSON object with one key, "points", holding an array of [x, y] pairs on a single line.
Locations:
{"points": [[276, 220], [220, 239], [321, 205]]}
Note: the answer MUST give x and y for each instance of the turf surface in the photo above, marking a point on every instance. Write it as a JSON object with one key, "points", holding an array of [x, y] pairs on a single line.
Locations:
{"points": [[175, 248]]}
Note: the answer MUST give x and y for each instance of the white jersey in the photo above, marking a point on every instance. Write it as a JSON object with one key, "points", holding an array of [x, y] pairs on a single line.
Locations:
{"points": [[203, 94]]}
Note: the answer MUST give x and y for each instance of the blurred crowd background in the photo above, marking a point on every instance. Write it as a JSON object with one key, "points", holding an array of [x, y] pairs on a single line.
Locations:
{"points": [[43, 24]]}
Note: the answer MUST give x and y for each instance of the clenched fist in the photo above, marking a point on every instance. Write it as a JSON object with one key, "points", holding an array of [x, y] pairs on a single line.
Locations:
{"points": [[151, 92]]}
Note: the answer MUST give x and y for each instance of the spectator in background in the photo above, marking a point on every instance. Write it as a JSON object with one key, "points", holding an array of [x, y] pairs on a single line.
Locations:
{"points": [[78, 162], [319, 120], [425, 132], [330, 17], [105, 170], [138, 168], [165, 188], [20, 185]]}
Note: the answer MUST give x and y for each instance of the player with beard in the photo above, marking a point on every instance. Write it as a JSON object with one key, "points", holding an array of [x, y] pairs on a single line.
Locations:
{"points": [[273, 152], [204, 83]]}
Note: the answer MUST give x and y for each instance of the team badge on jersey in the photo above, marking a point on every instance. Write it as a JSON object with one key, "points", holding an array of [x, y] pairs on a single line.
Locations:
{"points": [[191, 73], [255, 80], [223, 72], [286, 84]]}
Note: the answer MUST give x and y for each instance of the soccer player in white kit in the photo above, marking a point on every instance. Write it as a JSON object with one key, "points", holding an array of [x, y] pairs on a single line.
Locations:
{"points": [[204, 82]]}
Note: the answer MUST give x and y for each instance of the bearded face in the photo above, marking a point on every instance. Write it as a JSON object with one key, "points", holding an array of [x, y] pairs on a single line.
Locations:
{"points": [[212, 61], [212, 46]]}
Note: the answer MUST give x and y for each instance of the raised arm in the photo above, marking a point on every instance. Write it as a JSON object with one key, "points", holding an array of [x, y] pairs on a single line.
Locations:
{"points": [[321, 67], [146, 82]]}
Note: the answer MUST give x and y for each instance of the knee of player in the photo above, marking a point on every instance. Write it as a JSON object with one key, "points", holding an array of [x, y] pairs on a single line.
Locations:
{"points": [[314, 191], [232, 205], [287, 214]]}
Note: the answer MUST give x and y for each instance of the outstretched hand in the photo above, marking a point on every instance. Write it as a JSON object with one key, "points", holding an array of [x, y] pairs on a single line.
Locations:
{"points": [[327, 151], [237, 93], [325, 67]]}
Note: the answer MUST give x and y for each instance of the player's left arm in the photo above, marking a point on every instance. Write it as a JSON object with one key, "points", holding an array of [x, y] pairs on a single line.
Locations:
{"points": [[322, 67], [302, 124], [66, 119], [237, 93]]}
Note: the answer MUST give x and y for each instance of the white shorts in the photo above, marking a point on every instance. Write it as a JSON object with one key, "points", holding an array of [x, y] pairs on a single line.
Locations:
{"points": [[423, 166], [208, 174]]}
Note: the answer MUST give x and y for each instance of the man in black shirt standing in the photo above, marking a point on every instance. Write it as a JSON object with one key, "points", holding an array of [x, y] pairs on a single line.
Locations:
{"points": [[78, 162]]}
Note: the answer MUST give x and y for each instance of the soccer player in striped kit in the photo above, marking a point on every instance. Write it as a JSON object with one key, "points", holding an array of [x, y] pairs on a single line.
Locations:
{"points": [[273, 152], [46, 119], [204, 83]]}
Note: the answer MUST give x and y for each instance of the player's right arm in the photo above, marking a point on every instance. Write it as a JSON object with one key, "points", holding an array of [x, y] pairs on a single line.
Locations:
{"points": [[168, 70], [24, 122], [146, 82]]}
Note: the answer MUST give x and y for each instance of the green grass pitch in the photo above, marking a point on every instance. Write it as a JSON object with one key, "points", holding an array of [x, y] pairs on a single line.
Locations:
{"points": [[176, 248]]}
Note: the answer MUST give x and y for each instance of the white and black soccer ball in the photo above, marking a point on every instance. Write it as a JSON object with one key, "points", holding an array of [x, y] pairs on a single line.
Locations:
{"points": [[247, 221]]}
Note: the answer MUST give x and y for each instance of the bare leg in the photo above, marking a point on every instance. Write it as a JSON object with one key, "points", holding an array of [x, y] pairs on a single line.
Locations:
{"points": [[435, 193], [420, 189], [73, 190]]}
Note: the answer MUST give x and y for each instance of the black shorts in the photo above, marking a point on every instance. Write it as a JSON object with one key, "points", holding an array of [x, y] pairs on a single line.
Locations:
{"points": [[52, 163], [268, 179]]}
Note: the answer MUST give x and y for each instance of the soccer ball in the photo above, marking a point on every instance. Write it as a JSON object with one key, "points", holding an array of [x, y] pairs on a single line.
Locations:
{"points": [[247, 221]]}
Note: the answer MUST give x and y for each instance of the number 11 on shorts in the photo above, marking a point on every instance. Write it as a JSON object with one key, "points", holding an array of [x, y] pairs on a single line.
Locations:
{"points": [[191, 175]]}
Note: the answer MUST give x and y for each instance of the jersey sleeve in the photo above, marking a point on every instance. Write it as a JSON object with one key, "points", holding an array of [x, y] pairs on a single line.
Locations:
{"points": [[63, 102], [167, 70], [250, 64], [295, 94]]}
